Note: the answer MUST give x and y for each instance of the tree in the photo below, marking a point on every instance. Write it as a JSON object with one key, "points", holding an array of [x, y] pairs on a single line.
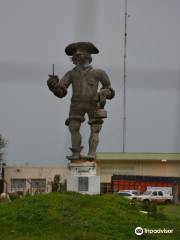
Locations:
{"points": [[3, 143]]}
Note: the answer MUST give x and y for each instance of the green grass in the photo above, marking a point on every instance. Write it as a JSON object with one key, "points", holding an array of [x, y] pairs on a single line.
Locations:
{"points": [[172, 211], [71, 216]]}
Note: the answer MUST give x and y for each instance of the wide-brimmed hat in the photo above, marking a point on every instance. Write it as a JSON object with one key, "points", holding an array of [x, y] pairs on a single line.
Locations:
{"points": [[79, 47]]}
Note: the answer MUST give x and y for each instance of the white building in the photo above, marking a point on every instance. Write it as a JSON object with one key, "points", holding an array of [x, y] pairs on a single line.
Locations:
{"points": [[32, 178]]}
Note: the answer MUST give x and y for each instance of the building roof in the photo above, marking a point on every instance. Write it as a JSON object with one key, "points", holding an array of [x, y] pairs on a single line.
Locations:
{"points": [[136, 156]]}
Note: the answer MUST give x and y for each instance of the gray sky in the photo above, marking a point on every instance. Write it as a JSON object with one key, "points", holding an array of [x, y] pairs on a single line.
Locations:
{"points": [[33, 36]]}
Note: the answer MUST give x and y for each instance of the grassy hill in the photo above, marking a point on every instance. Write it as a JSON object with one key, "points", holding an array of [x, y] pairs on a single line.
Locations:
{"points": [[71, 216]]}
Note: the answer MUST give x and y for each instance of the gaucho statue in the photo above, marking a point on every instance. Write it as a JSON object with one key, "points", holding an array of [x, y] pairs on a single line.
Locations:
{"points": [[86, 98]]}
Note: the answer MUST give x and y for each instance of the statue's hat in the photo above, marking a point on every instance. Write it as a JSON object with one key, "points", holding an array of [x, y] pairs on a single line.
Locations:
{"points": [[87, 47]]}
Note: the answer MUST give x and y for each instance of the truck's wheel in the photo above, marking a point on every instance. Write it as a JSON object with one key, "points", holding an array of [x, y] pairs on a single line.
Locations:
{"points": [[168, 201]]}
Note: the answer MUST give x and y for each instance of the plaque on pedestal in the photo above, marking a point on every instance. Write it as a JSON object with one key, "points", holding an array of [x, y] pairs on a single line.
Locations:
{"points": [[82, 178]]}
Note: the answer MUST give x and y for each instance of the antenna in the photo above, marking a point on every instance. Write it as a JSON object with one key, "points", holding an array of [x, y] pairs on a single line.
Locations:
{"points": [[125, 76]]}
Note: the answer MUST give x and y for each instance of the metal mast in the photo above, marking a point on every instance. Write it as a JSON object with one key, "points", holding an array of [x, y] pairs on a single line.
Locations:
{"points": [[125, 77]]}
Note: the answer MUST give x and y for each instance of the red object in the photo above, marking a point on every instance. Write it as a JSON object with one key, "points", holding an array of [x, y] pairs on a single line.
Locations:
{"points": [[118, 185]]}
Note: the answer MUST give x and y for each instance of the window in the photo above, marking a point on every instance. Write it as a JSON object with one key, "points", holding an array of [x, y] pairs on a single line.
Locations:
{"points": [[18, 184], [38, 185], [154, 193], [124, 194], [83, 183]]}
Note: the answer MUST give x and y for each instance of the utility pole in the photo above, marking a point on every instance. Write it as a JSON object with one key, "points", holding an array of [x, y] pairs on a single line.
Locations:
{"points": [[125, 75]]}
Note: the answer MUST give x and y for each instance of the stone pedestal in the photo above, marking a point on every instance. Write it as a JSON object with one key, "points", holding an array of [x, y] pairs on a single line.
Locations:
{"points": [[82, 177]]}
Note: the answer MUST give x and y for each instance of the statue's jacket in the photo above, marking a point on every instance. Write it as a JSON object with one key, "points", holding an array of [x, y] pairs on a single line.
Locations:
{"points": [[85, 83], [85, 95]]}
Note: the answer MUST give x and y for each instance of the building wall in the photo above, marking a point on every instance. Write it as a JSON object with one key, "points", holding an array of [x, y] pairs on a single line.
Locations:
{"points": [[28, 173], [107, 168]]}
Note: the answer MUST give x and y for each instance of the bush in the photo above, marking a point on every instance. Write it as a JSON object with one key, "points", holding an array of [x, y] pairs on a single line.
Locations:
{"points": [[56, 183]]}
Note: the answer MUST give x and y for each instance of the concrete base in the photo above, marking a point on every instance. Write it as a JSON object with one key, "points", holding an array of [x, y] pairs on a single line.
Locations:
{"points": [[82, 178], [93, 185]]}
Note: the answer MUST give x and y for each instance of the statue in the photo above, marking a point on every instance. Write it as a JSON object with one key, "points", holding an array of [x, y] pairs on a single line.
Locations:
{"points": [[85, 96]]}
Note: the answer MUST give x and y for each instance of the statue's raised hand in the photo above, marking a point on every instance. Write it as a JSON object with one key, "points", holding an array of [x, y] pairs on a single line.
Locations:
{"points": [[52, 82]]}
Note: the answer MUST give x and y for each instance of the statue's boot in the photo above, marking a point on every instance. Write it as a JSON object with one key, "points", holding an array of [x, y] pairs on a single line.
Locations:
{"points": [[75, 153], [91, 156], [93, 141], [74, 127], [88, 157]]}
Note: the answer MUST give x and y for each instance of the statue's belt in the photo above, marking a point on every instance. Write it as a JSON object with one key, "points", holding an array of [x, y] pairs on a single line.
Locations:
{"points": [[86, 100]]}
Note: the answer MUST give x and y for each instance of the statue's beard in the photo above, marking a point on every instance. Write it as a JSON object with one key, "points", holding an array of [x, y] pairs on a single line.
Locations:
{"points": [[82, 62]]}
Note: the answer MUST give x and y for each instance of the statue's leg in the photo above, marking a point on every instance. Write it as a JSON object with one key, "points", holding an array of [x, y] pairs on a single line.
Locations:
{"points": [[94, 139], [74, 128], [76, 117]]}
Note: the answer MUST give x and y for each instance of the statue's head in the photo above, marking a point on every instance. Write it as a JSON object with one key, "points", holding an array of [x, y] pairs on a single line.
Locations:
{"points": [[81, 58], [81, 52]]}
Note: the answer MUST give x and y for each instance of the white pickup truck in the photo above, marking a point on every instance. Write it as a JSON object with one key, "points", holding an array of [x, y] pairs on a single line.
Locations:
{"points": [[155, 196]]}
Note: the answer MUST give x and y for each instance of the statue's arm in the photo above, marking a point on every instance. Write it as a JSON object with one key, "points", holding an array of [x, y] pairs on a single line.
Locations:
{"points": [[59, 86], [106, 91]]}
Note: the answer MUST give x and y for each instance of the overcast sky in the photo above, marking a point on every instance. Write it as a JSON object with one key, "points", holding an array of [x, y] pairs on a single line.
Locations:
{"points": [[33, 36]]}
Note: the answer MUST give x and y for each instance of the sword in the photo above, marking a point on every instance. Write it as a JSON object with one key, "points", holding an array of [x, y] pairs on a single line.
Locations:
{"points": [[52, 75], [53, 69]]}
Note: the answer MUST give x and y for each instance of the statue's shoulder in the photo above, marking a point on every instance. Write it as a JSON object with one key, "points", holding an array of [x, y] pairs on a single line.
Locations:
{"points": [[99, 71], [70, 71], [73, 70]]}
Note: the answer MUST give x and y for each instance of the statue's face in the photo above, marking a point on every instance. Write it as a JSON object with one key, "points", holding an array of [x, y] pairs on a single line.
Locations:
{"points": [[81, 59]]}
